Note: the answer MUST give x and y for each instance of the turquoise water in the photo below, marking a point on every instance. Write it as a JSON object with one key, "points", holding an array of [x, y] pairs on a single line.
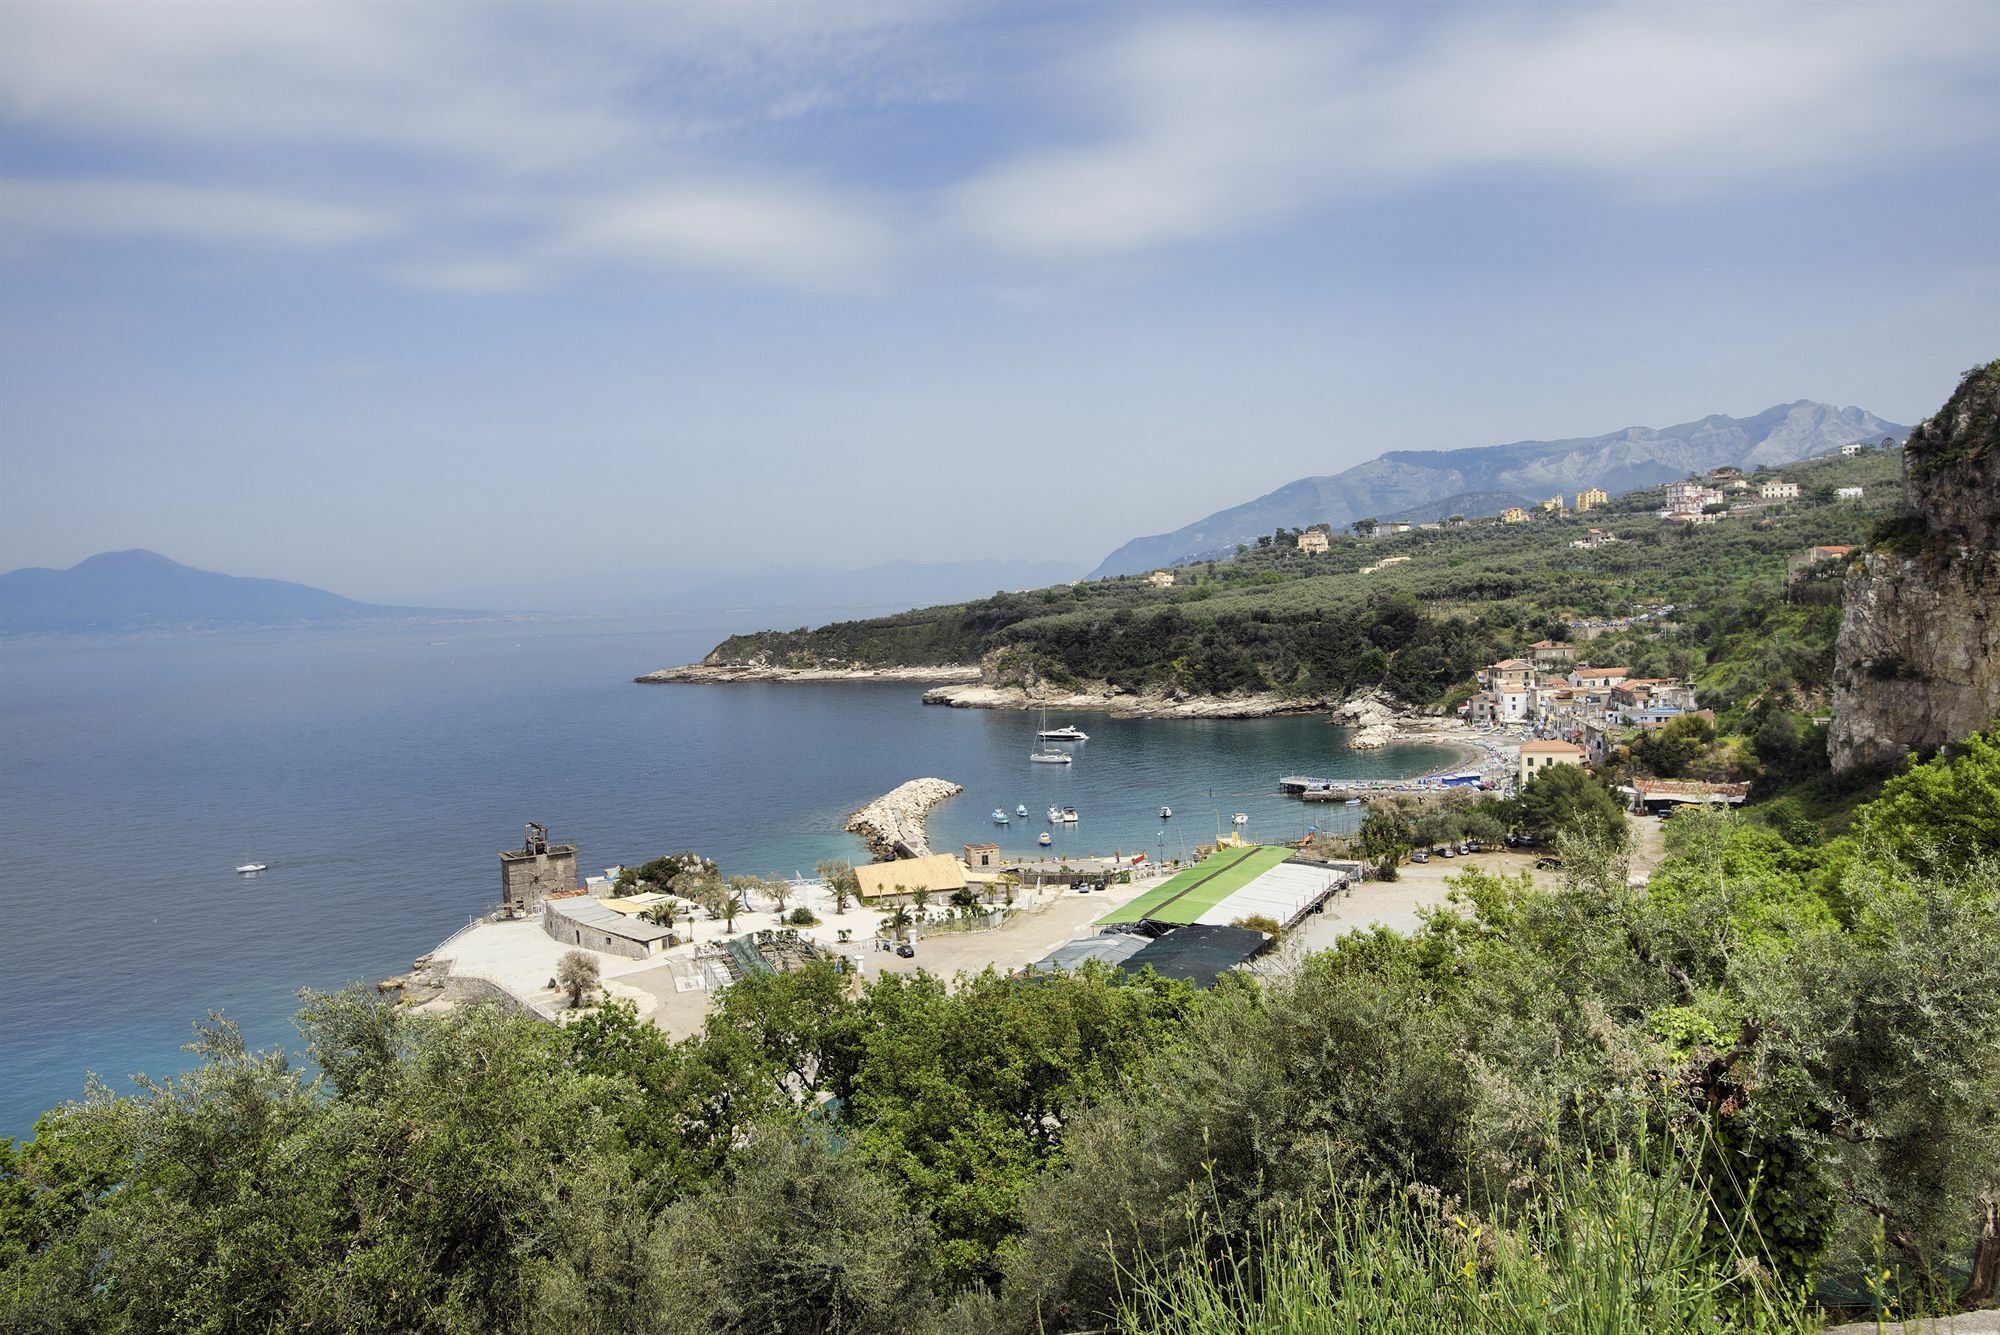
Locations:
{"points": [[379, 773]]}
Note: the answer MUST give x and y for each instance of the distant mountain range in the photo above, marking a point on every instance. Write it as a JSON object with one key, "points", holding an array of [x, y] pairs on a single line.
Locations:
{"points": [[140, 591], [1410, 484], [137, 591]]}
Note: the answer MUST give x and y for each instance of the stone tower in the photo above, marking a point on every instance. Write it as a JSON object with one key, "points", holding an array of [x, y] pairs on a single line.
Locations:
{"points": [[534, 870]]}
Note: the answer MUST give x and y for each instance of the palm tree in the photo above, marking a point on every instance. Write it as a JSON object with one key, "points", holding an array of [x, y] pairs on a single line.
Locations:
{"points": [[576, 974], [922, 898], [839, 878], [900, 920], [730, 906]]}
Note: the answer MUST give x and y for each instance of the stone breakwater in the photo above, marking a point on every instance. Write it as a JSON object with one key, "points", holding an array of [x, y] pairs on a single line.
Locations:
{"points": [[703, 674], [893, 825], [1123, 704]]}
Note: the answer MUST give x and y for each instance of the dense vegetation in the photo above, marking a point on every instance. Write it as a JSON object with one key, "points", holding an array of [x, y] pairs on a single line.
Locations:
{"points": [[1314, 626], [1767, 1073]]}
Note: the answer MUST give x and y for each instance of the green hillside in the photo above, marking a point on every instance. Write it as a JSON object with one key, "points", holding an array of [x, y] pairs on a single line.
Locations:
{"points": [[1315, 626]]}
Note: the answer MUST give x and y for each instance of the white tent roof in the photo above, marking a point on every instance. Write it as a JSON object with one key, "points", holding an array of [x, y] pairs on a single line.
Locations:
{"points": [[1281, 894]]}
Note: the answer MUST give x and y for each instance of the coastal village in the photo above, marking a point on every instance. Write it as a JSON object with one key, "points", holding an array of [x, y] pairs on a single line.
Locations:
{"points": [[669, 949]]}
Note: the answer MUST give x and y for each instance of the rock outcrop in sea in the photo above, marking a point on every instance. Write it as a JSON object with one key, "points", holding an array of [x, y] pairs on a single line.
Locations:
{"points": [[893, 824], [1917, 662], [1373, 719]]}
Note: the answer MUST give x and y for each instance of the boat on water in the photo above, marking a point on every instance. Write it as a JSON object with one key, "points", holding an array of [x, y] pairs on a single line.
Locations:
{"points": [[1066, 733], [1021, 810], [1166, 813], [1062, 815], [999, 816], [1048, 755], [1240, 818], [1044, 840], [250, 866], [1352, 802]]}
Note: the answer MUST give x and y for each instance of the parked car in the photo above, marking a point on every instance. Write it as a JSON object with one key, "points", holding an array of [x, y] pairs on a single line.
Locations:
{"points": [[907, 951], [1467, 848], [1445, 852], [1421, 855]]}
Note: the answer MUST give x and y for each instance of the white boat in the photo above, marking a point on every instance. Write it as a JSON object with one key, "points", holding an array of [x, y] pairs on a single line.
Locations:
{"points": [[1166, 813], [1021, 810], [1066, 733], [999, 816], [1240, 818], [1048, 755], [1045, 841], [250, 868], [1069, 815], [1055, 815]]}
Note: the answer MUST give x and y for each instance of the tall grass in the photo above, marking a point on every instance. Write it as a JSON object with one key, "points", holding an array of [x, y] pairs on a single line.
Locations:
{"points": [[1615, 1244]]}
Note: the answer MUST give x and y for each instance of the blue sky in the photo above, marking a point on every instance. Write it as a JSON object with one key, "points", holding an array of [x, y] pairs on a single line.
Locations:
{"points": [[392, 298]]}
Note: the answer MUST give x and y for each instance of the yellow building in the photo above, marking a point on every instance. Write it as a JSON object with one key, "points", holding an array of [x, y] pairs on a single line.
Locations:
{"points": [[1161, 579], [1590, 499], [1314, 541], [940, 874], [1513, 514]]}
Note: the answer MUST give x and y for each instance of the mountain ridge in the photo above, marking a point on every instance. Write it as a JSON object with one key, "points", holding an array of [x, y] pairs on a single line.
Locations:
{"points": [[1399, 481], [136, 590]]}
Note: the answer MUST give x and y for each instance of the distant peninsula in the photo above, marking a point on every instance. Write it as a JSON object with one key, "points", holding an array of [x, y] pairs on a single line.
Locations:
{"points": [[142, 592]]}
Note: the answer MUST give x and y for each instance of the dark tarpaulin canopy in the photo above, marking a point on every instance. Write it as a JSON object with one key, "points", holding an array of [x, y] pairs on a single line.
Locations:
{"points": [[1198, 953]]}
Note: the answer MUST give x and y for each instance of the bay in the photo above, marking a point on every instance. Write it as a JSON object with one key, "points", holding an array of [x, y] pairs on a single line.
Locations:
{"points": [[379, 772]]}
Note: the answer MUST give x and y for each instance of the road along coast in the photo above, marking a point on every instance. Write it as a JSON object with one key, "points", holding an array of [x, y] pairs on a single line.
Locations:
{"points": [[709, 674], [893, 824]]}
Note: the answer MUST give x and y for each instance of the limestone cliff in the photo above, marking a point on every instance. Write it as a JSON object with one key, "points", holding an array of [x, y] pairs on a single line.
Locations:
{"points": [[1917, 663]]}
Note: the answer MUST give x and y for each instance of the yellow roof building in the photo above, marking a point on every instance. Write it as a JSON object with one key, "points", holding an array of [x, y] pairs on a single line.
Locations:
{"points": [[940, 873], [1590, 499]]}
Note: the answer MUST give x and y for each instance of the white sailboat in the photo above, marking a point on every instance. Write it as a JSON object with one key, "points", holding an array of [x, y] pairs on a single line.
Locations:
{"points": [[250, 868], [1048, 755]]}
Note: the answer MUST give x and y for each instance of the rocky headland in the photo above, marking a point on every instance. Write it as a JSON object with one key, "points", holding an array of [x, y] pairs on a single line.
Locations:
{"points": [[703, 674], [893, 824], [1121, 703], [1917, 662]]}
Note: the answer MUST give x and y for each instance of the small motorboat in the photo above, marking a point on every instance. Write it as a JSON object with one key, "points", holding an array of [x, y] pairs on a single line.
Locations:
{"points": [[1021, 810], [1353, 802], [1044, 840], [999, 816], [1069, 815], [252, 868], [1050, 756], [1240, 818], [1166, 813], [1055, 815]]}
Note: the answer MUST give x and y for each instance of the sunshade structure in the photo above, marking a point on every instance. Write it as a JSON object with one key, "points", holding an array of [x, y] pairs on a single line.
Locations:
{"points": [[1111, 947], [1233, 883], [1199, 954]]}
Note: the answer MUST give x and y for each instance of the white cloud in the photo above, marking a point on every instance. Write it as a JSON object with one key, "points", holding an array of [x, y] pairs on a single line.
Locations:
{"points": [[34, 209], [772, 232], [1218, 124]]}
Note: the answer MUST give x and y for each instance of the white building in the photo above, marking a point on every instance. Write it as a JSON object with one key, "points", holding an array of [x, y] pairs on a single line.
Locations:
{"points": [[1848, 451], [1847, 494], [1778, 491]]}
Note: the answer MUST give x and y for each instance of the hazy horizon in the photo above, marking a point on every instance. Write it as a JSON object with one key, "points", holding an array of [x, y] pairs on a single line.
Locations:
{"points": [[386, 299]]}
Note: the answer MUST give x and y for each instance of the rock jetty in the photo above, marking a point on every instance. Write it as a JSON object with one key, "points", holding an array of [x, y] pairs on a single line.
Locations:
{"points": [[703, 674], [893, 825]]}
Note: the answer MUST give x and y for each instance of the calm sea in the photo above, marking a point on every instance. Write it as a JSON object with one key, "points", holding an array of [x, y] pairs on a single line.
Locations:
{"points": [[379, 772]]}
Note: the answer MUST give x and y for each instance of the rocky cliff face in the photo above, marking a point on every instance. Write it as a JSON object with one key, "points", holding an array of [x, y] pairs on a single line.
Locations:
{"points": [[1918, 660]]}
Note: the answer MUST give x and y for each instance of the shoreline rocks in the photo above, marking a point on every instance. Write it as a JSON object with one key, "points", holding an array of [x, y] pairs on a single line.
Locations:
{"points": [[893, 824], [1121, 703], [704, 674]]}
